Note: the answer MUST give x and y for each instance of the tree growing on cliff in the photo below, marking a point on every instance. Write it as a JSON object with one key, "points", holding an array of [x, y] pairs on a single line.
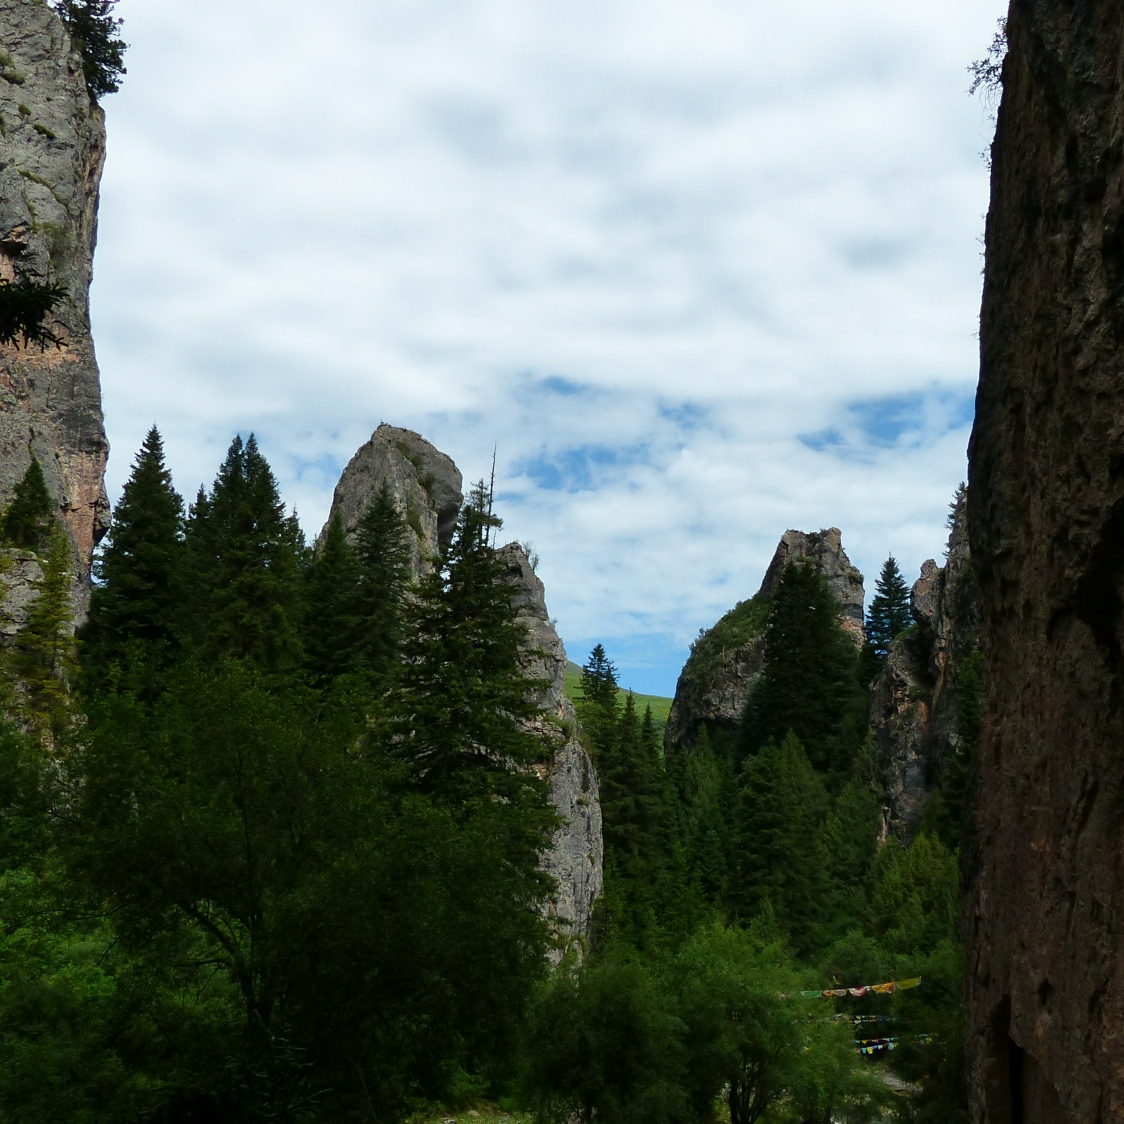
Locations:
{"points": [[889, 609], [28, 520], [94, 32], [25, 305]]}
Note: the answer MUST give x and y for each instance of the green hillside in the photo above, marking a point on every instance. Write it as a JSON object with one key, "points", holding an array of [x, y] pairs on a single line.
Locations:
{"points": [[660, 705]]}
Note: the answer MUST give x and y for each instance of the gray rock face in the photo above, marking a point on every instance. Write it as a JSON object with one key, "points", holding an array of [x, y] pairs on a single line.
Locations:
{"points": [[824, 549], [914, 704], [726, 660], [52, 146], [424, 481], [576, 856]]}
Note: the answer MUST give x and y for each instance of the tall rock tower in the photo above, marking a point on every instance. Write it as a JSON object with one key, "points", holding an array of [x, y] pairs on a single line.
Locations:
{"points": [[52, 146], [1045, 871]]}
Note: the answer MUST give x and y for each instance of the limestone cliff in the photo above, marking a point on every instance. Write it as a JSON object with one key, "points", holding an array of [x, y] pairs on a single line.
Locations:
{"points": [[52, 146], [916, 704], [576, 855], [424, 482], [1044, 911], [427, 486], [726, 659]]}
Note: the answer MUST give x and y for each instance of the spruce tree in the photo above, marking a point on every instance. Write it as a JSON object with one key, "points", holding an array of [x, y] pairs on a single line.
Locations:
{"points": [[461, 717], [780, 856], [889, 609], [706, 798], [383, 550], [245, 557], [331, 625], [137, 602], [809, 682], [29, 518], [41, 658]]}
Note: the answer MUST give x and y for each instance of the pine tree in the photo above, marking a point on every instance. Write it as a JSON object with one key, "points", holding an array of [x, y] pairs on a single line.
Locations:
{"points": [[29, 518], [462, 712], [245, 557], [779, 856], [706, 795], [136, 605], [331, 627], [889, 609], [93, 30], [41, 659], [383, 550], [809, 682]]}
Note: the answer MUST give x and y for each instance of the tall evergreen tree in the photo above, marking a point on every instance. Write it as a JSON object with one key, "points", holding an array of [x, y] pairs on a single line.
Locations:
{"points": [[462, 713], [137, 602], [42, 657], [28, 520], [706, 798], [331, 625], [889, 609], [809, 682], [383, 550], [780, 856], [246, 556]]}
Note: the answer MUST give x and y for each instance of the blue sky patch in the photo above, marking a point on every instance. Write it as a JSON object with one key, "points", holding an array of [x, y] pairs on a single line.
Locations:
{"points": [[578, 469]]}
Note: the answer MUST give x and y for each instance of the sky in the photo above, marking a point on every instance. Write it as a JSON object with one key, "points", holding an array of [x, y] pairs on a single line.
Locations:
{"points": [[697, 270]]}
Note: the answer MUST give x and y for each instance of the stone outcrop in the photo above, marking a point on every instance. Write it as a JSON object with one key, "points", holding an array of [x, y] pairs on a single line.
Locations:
{"points": [[1044, 869], [52, 146], [576, 855], [824, 549], [915, 711], [726, 659], [424, 482]]}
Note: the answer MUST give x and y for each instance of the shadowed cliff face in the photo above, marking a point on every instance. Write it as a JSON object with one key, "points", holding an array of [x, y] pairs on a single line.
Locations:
{"points": [[915, 703], [52, 146], [1044, 920]]}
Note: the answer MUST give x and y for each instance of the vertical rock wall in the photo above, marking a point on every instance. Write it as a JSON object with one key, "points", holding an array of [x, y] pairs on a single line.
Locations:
{"points": [[52, 146], [1044, 920], [914, 702]]}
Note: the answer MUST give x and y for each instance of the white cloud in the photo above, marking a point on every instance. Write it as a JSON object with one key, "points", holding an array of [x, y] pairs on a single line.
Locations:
{"points": [[703, 270]]}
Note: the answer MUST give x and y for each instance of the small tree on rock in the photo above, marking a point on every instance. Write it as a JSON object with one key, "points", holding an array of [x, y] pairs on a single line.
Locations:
{"points": [[29, 519], [93, 31], [889, 609]]}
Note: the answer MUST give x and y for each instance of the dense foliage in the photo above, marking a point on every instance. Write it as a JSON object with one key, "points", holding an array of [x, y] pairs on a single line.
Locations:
{"points": [[247, 875], [271, 832]]}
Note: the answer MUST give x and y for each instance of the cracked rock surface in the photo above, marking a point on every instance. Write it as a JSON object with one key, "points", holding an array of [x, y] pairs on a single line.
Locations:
{"points": [[52, 147]]}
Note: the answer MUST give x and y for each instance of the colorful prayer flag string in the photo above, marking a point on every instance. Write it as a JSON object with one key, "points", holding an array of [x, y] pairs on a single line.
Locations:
{"points": [[866, 989]]}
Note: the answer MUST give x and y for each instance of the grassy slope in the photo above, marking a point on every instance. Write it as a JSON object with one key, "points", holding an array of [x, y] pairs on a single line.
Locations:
{"points": [[660, 705]]}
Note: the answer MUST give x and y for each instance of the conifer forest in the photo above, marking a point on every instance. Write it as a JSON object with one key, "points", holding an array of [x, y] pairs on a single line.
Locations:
{"points": [[271, 826]]}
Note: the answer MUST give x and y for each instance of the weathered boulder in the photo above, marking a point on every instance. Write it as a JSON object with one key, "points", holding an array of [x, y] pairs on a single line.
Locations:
{"points": [[424, 482], [576, 856], [916, 716], [52, 146], [1044, 869], [726, 659]]}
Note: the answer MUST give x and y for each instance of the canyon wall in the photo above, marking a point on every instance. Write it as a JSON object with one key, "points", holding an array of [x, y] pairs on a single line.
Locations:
{"points": [[924, 703], [1044, 863], [52, 146]]}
